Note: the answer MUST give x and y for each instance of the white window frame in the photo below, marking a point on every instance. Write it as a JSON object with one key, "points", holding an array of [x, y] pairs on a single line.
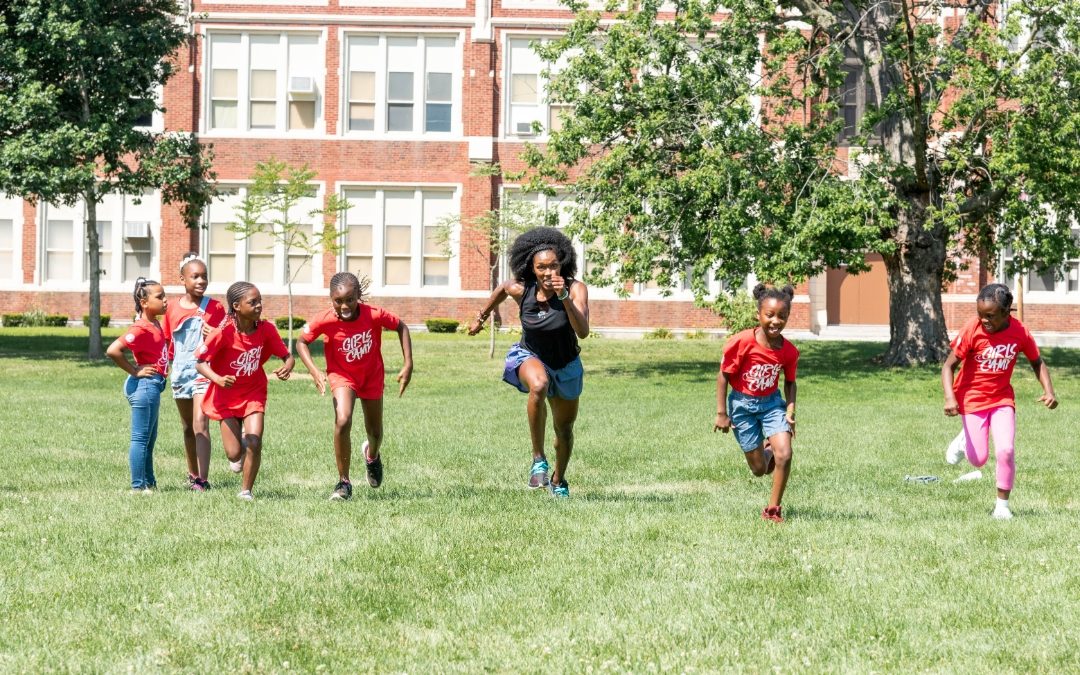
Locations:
{"points": [[284, 71], [382, 94], [1069, 270], [308, 285], [11, 208], [508, 127], [416, 286]]}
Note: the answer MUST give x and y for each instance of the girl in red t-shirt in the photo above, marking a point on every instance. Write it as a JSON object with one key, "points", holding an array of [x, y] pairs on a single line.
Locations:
{"points": [[354, 369], [753, 361], [149, 344], [237, 399], [987, 348]]}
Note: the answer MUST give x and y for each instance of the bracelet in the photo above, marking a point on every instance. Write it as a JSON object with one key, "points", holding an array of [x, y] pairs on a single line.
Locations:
{"points": [[565, 294]]}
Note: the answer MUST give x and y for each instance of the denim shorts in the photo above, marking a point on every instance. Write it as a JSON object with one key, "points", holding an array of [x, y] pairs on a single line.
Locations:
{"points": [[565, 383], [755, 418], [186, 381]]}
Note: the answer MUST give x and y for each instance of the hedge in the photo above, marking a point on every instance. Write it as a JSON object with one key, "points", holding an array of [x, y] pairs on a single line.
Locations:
{"points": [[282, 322], [104, 320], [441, 325], [34, 319]]}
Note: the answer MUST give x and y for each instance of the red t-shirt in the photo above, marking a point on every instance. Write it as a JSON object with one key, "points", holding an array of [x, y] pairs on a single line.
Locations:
{"points": [[755, 370], [353, 348], [149, 344], [175, 315], [230, 352], [986, 364]]}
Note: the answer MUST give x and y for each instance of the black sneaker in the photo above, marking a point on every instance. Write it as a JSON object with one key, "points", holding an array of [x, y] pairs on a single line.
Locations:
{"points": [[374, 468], [343, 490]]}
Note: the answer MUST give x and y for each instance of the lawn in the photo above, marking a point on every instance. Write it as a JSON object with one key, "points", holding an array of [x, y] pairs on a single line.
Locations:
{"points": [[659, 561]]}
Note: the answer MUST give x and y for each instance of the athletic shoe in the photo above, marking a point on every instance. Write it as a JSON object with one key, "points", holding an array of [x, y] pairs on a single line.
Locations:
{"points": [[538, 474], [342, 491], [957, 450], [560, 490], [1001, 513], [237, 467], [191, 478], [199, 485], [374, 468], [142, 491], [772, 513], [246, 495]]}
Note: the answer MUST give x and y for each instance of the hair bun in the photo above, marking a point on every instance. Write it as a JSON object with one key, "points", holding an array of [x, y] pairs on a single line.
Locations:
{"points": [[759, 291]]}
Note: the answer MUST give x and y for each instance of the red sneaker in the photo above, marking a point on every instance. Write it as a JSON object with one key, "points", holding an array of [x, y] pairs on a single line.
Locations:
{"points": [[772, 513]]}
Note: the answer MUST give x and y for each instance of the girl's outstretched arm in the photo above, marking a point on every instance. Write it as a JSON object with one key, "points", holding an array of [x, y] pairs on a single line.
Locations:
{"points": [[722, 422], [948, 373], [577, 310], [1043, 373], [496, 298], [405, 376], [317, 375]]}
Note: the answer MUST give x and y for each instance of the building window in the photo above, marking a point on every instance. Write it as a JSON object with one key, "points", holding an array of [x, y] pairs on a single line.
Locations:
{"points": [[402, 84], [265, 81], [104, 231], [527, 98], [854, 98], [392, 236], [259, 258], [1062, 280], [10, 237]]}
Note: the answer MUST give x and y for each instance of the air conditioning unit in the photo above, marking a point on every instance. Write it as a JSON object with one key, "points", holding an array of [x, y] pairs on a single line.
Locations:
{"points": [[524, 129], [301, 87], [138, 229]]}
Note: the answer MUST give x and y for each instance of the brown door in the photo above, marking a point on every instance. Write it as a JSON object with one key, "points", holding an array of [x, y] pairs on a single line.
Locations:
{"points": [[858, 298]]}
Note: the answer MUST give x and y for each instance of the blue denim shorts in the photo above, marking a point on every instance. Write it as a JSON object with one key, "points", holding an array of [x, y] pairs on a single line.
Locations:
{"points": [[186, 381], [565, 383], [755, 418]]}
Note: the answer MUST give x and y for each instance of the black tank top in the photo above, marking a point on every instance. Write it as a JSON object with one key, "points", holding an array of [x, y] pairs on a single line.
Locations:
{"points": [[546, 330]]}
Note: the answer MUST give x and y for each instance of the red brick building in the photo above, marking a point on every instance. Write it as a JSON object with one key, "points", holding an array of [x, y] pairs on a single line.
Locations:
{"points": [[391, 102]]}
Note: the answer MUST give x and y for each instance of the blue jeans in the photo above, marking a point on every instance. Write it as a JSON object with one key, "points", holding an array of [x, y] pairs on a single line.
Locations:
{"points": [[144, 395]]}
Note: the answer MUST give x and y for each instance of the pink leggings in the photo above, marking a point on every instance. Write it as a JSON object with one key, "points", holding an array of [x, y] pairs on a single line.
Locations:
{"points": [[1001, 422]]}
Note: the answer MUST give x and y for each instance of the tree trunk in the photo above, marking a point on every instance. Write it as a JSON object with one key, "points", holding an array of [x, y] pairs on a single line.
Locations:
{"points": [[288, 286], [93, 247], [916, 318]]}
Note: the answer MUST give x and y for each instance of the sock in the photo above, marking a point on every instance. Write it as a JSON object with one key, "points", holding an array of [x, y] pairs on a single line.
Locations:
{"points": [[1002, 503]]}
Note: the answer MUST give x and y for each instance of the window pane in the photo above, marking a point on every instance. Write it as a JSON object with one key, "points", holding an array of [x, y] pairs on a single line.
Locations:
{"points": [[1073, 275], [436, 271], [1042, 280], [222, 267], [361, 86], [263, 115], [399, 117], [359, 265], [104, 230], [7, 264], [555, 117], [264, 84], [136, 264], [261, 269], [439, 86], [361, 116], [400, 87], [223, 115], [301, 268], [359, 240], [432, 245], [221, 239], [397, 271], [301, 114], [59, 265], [7, 240], [223, 83], [61, 235], [523, 89], [437, 117], [261, 242], [397, 240]]}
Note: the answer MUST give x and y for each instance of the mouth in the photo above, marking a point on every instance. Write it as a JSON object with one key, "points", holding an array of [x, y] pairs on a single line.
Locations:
{"points": [[345, 313]]}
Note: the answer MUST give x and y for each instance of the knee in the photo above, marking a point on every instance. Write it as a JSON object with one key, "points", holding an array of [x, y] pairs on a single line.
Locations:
{"points": [[342, 424], [782, 454], [253, 443], [564, 430], [759, 470], [539, 387], [1004, 454]]}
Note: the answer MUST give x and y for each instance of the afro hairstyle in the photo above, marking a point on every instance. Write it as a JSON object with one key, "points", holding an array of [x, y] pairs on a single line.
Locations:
{"points": [[531, 242]]}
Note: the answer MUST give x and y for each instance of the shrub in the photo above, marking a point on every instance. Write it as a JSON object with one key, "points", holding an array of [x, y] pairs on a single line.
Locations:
{"points": [[660, 334], [739, 311], [282, 322], [696, 335], [55, 320], [104, 320], [14, 319], [441, 325]]}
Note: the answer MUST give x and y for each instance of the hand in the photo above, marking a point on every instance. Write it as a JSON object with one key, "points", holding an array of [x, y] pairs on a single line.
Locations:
{"points": [[476, 326], [146, 371], [320, 381], [1049, 400], [558, 284], [226, 381], [283, 371], [790, 417], [403, 378], [722, 423], [206, 328], [952, 408]]}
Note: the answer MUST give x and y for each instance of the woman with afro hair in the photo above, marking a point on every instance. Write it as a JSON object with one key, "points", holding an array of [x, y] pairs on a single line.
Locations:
{"points": [[554, 311]]}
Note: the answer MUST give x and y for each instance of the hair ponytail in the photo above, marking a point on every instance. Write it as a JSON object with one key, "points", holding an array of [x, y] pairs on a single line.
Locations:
{"points": [[141, 293]]}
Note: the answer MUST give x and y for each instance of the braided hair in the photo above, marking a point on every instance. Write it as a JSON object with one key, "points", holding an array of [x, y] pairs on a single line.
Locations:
{"points": [[785, 295], [235, 294], [347, 279], [531, 242], [999, 294], [142, 292]]}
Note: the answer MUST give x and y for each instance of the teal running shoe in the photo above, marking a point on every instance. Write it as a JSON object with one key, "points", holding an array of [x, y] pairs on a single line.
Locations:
{"points": [[538, 474], [560, 490]]}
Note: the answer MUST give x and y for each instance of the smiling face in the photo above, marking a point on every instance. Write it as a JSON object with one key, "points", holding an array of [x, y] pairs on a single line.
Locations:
{"points": [[545, 265], [154, 304], [193, 277], [249, 307], [345, 298], [773, 316], [992, 316]]}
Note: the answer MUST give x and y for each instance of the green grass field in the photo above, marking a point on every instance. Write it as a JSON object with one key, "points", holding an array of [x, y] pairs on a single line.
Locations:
{"points": [[659, 562]]}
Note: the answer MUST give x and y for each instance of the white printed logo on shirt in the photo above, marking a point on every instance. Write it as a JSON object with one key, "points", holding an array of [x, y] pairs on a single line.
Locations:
{"points": [[996, 358], [762, 376], [248, 362], [355, 347], [163, 360]]}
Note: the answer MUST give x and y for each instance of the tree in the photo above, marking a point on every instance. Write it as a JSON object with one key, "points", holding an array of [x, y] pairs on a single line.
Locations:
{"points": [[75, 80], [273, 206], [495, 231], [966, 139]]}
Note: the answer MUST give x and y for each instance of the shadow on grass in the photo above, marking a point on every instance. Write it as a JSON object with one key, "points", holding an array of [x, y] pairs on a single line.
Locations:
{"points": [[817, 514], [627, 497]]}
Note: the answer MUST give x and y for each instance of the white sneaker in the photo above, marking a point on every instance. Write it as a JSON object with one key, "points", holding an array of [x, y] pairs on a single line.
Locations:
{"points": [[246, 495], [1001, 513], [957, 450], [236, 467]]}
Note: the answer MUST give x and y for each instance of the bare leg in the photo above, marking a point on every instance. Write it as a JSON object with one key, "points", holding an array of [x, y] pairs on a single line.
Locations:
{"points": [[373, 412], [781, 447], [200, 425], [533, 375], [186, 408], [232, 438], [564, 414], [253, 431], [344, 402]]}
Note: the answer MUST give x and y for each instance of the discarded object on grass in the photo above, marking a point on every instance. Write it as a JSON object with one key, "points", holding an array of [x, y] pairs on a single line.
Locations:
{"points": [[921, 480], [970, 475]]}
